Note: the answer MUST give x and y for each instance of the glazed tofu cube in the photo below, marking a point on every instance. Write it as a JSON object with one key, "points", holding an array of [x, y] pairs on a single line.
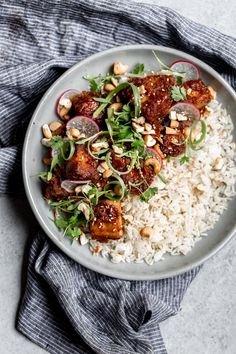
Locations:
{"points": [[107, 223]]}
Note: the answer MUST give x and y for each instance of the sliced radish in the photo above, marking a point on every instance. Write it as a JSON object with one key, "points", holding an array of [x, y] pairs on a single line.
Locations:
{"points": [[184, 111], [183, 66], [64, 102], [85, 125], [70, 185]]}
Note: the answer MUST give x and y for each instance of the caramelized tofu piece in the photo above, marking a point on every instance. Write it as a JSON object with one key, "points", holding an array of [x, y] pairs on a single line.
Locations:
{"points": [[155, 94], [173, 144], [52, 189], [82, 166], [107, 223], [84, 104], [198, 93]]}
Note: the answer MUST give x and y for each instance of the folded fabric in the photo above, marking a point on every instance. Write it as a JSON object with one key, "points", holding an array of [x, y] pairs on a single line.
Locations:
{"points": [[67, 308]]}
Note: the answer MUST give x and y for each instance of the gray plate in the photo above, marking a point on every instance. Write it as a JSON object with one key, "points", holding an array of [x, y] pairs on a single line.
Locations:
{"points": [[33, 150]]}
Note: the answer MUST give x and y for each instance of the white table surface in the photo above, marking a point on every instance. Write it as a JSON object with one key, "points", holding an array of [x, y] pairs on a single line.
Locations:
{"points": [[207, 322]]}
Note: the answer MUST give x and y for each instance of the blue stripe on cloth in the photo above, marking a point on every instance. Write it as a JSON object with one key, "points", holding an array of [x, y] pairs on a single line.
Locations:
{"points": [[67, 308]]}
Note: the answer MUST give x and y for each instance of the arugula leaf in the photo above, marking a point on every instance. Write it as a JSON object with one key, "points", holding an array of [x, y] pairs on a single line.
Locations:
{"points": [[150, 192], [184, 159], [178, 93], [61, 223], [70, 225], [45, 176], [102, 100], [93, 86], [94, 194], [73, 232], [139, 69]]}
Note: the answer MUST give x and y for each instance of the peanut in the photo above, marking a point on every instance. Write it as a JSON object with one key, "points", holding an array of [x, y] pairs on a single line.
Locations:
{"points": [[46, 142], [109, 87], [46, 131], [75, 133], [146, 232], [54, 125], [155, 163], [149, 141], [117, 106], [120, 69], [107, 174]]}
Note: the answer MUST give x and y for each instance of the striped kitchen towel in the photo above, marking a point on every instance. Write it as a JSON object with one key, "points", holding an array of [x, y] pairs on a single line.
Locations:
{"points": [[67, 308]]}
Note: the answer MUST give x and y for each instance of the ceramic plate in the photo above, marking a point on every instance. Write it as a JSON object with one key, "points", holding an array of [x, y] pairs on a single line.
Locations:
{"points": [[33, 150]]}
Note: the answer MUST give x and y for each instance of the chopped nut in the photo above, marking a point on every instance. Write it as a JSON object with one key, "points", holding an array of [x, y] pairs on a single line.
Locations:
{"points": [[140, 120], [212, 92], [146, 232], [104, 165], [107, 174], [201, 187], [85, 209], [83, 239], [66, 103], [141, 89], [54, 125], [120, 69], [75, 133], [149, 141], [46, 131], [117, 106], [114, 82], [78, 189], [138, 128], [150, 132], [155, 163], [147, 126], [109, 87], [170, 131], [98, 146], [100, 169], [208, 111], [47, 161], [187, 132], [46, 142], [173, 115], [181, 117], [63, 113], [218, 164], [174, 124], [117, 150]]}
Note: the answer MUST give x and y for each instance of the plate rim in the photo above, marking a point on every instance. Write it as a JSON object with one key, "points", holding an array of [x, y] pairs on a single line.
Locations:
{"points": [[113, 273]]}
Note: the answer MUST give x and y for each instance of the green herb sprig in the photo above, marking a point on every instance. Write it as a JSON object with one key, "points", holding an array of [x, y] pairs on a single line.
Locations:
{"points": [[178, 93], [150, 192]]}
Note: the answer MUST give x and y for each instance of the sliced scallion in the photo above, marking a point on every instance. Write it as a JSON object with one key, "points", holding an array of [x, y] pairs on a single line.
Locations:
{"points": [[194, 143]]}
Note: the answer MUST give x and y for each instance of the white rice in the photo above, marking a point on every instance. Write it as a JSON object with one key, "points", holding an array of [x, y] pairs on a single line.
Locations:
{"points": [[186, 207]]}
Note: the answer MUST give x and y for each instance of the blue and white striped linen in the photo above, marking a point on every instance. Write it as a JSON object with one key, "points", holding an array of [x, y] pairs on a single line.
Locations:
{"points": [[67, 308]]}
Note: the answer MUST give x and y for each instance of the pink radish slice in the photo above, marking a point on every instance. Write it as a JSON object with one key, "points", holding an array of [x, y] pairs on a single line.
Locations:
{"points": [[70, 186], [85, 125], [63, 99], [186, 109], [184, 66]]}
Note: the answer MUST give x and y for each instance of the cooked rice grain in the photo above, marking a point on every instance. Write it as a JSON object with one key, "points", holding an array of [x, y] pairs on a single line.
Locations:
{"points": [[187, 207]]}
